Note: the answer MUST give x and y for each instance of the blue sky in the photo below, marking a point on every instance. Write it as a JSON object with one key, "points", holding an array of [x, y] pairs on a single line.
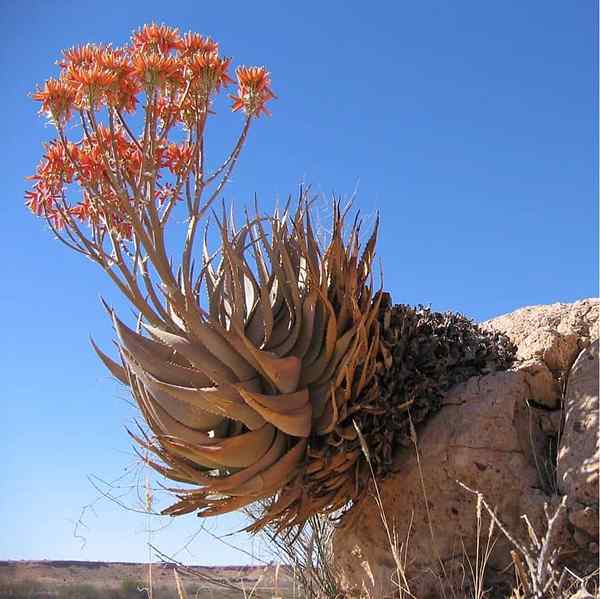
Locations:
{"points": [[471, 126]]}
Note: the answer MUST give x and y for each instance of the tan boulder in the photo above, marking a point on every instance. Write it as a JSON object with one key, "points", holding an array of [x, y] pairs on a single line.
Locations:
{"points": [[553, 334], [497, 434], [579, 450]]}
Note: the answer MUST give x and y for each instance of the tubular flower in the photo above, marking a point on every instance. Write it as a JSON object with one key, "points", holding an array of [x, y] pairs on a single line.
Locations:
{"points": [[91, 85], [209, 73], [167, 110], [57, 164], [193, 44], [253, 90], [80, 56], [82, 211], [41, 199], [155, 70], [156, 38], [177, 158], [166, 193], [57, 99], [54, 171], [122, 94]]}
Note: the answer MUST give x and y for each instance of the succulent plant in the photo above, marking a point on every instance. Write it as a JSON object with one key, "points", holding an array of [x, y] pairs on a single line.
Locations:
{"points": [[260, 399], [252, 401], [254, 374]]}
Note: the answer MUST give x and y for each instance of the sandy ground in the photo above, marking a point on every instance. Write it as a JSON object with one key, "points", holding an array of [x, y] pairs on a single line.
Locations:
{"points": [[111, 575]]}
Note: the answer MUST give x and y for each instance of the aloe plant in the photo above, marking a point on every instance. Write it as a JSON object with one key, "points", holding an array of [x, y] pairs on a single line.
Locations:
{"points": [[254, 372]]}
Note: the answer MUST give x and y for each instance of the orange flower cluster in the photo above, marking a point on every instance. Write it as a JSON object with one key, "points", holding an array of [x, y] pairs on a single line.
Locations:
{"points": [[85, 163], [254, 90], [185, 70], [175, 79]]}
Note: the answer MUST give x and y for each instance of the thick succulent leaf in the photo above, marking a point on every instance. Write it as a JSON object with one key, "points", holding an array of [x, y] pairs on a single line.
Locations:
{"points": [[189, 414], [239, 451], [155, 358], [312, 372], [307, 326], [289, 412], [282, 502], [209, 336], [198, 356], [276, 451], [315, 345], [283, 373], [224, 400], [275, 370], [275, 476], [115, 369]]}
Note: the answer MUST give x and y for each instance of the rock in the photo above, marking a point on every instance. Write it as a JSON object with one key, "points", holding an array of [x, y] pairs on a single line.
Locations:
{"points": [[579, 452], [585, 519], [549, 332], [473, 439], [497, 434], [544, 388]]}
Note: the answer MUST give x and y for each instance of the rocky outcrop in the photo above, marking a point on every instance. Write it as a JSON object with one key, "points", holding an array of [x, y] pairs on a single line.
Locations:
{"points": [[521, 438], [579, 450]]}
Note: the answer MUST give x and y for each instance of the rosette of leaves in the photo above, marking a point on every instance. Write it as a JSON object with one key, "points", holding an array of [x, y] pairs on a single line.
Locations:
{"points": [[259, 401], [241, 404]]}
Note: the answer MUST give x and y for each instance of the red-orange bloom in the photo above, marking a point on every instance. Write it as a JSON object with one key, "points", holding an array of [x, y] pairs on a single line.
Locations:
{"points": [[91, 165], [167, 109], [194, 43], [152, 38], [57, 99], [94, 76], [57, 166], [253, 90], [83, 211], [123, 95], [177, 158], [123, 228], [210, 71], [80, 56], [114, 60], [43, 197], [56, 218], [36, 200], [154, 70], [166, 193], [91, 84], [179, 74]]}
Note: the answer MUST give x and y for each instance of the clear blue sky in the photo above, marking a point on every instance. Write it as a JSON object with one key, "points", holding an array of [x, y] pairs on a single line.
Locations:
{"points": [[471, 126]]}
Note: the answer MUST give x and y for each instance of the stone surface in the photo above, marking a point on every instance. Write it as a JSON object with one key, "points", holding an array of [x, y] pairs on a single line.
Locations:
{"points": [[544, 388], [552, 334], [579, 452], [497, 434], [585, 518]]}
